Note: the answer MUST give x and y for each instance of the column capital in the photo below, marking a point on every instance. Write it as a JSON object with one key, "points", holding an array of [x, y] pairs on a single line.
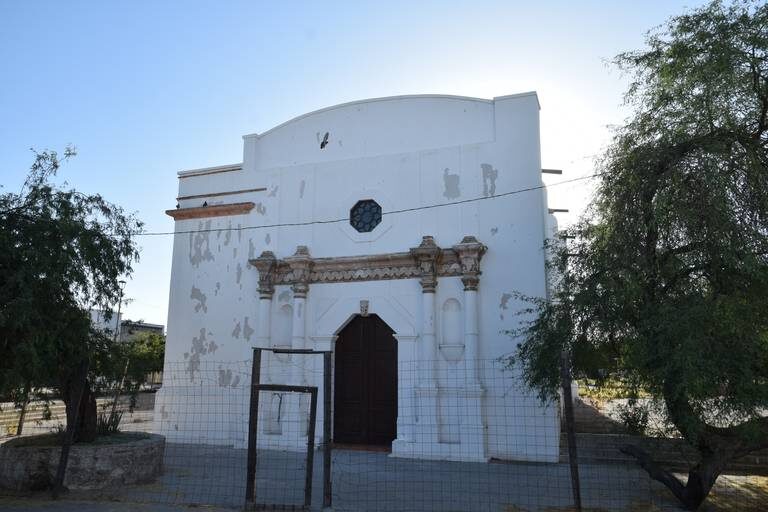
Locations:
{"points": [[301, 267], [266, 264], [427, 256], [470, 252]]}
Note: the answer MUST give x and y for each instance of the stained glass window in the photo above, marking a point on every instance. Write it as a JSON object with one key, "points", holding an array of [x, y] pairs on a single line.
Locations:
{"points": [[365, 215]]}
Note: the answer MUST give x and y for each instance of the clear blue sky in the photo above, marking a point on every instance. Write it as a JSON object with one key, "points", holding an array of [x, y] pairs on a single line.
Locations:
{"points": [[145, 89]]}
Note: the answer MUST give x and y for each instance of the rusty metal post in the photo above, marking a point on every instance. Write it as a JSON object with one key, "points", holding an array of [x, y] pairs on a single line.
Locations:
{"points": [[573, 459], [69, 436], [253, 418], [327, 430], [310, 449]]}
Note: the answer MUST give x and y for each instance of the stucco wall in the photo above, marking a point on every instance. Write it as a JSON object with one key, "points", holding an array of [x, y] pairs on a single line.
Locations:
{"points": [[403, 152]]}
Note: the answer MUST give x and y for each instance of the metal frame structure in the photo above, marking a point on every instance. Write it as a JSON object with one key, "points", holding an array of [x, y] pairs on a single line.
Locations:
{"points": [[253, 417]]}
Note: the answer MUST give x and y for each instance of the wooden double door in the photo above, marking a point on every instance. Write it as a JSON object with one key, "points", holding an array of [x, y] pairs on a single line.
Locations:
{"points": [[365, 383]]}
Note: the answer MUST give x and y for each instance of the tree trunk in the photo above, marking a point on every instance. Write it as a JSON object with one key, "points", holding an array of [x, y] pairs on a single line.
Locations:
{"points": [[701, 478], [85, 417], [86, 427]]}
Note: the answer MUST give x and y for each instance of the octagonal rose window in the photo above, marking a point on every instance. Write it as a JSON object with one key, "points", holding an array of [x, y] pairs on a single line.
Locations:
{"points": [[365, 215]]}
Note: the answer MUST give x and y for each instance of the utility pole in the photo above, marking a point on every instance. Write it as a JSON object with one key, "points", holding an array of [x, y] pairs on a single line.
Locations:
{"points": [[114, 340]]}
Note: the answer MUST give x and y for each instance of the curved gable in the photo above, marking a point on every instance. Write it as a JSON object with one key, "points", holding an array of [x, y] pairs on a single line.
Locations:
{"points": [[372, 127]]}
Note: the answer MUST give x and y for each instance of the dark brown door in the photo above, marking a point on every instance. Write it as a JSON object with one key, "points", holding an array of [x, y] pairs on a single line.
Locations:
{"points": [[365, 383]]}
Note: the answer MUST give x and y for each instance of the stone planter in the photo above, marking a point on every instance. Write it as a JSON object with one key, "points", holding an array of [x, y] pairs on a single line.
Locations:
{"points": [[131, 458]]}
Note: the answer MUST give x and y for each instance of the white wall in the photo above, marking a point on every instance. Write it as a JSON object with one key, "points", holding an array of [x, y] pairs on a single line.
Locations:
{"points": [[404, 152]]}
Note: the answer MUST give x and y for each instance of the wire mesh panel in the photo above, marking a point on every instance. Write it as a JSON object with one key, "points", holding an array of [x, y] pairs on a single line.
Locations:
{"points": [[467, 436], [280, 479]]}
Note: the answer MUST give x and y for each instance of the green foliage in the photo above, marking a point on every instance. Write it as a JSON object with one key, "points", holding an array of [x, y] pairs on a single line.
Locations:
{"points": [[663, 283], [62, 252], [108, 423]]}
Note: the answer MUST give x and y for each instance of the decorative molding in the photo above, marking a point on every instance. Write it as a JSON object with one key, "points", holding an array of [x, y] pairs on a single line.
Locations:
{"points": [[201, 212], [265, 264], [427, 262], [470, 252], [428, 257], [300, 265]]}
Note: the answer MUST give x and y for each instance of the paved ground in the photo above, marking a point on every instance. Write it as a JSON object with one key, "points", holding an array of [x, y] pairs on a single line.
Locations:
{"points": [[213, 476], [45, 505]]}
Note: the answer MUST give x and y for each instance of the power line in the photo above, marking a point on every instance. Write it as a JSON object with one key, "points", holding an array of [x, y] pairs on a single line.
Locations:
{"points": [[333, 221], [392, 212]]}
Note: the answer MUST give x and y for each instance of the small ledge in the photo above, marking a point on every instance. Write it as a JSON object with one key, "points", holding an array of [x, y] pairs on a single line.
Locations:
{"points": [[201, 212]]}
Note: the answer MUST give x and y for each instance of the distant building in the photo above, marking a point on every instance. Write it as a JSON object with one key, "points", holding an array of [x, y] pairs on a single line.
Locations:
{"points": [[130, 329], [108, 322], [105, 321]]}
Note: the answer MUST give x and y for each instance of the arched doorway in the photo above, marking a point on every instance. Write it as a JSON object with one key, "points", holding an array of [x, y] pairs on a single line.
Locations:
{"points": [[365, 383]]}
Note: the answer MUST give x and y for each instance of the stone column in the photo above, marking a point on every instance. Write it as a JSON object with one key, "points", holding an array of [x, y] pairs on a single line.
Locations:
{"points": [[471, 430], [265, 264], [470, 251], [301, 266], [427, 256]]}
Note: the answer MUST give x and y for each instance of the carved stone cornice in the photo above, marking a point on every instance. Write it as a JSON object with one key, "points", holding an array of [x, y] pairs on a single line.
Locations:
{"points": [[427, 256], [303, 269], [470, 251], [266, 264], [300, 265]]}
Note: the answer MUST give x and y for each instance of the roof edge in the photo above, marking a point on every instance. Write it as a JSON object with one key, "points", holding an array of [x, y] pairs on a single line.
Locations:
{"points": [[388, 98], [209, 170]]}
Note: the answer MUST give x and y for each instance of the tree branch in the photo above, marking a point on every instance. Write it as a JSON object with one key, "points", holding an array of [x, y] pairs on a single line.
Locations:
{"points": [[655, 471]]}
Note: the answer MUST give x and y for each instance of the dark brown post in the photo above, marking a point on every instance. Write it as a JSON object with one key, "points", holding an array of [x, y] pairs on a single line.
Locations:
{"points": [[565, 377], [69, 436], [326, 429], [310, 449], [253, 420]]}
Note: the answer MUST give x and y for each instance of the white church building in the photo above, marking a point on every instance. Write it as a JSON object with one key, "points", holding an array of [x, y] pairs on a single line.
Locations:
{"points": [[393, 232]]}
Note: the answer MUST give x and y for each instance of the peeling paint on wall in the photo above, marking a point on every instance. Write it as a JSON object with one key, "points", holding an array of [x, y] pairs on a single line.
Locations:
{"points": [[199, 348], [225, 377], [494, 231], [218, 287], [234, 253], [273, 192], [450, 184], [247, 330], [236, 331], [228, 234], [504, 303], [261, 209], [283, 296], [301, 189], [199, 245], [489, 179], [239, 272], [267, 239], [201, 299], [251, 250]]}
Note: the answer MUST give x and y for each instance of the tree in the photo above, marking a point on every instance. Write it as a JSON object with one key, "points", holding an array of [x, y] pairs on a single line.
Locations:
{"points": [[61, 253], [663, 282]]}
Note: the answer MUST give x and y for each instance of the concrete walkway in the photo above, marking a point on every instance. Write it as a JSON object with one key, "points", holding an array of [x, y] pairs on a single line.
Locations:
{"points": [[214, 476]]}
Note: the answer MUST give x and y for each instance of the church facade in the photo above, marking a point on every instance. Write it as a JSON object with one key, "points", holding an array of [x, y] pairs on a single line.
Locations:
{"points": [[393, 232]]}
